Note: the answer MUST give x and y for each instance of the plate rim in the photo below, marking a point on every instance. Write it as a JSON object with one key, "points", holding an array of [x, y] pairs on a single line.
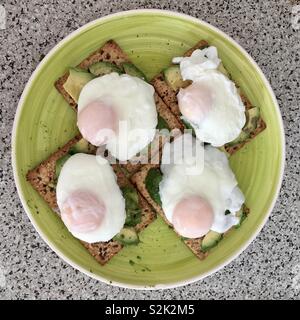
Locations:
{"points": [[26, 90]]}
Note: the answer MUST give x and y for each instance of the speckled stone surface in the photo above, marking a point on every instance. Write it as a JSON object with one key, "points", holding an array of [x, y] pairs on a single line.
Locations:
{"points": [[270, 267]]}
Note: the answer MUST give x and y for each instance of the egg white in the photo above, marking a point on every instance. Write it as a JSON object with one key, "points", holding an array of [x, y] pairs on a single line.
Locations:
{"points": [[85, 172], [133, 102], [224, 122], [227, 117], [199, 62], [214, 181]]}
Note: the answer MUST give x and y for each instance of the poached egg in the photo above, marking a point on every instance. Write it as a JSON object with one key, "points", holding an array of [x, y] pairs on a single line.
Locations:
{"points": [[90, 201], [211, 104], [118, 111], [196, 193]]}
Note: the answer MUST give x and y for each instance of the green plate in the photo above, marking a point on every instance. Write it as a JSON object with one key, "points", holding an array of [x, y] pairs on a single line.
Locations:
{"points": [[44, 122]]}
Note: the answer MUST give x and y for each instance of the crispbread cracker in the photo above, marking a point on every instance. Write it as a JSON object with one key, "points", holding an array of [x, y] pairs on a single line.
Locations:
{"points": [[164, 112], [109, 52], [112, 53], [169, 96], [42, 178], [138, 179]]}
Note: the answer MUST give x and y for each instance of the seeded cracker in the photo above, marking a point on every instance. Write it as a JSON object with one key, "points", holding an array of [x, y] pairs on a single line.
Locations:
{"points": [[42, 178]]}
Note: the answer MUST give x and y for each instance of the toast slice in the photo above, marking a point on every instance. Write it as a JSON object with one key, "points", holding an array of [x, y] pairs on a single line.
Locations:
{"points": [[42, 178], [169, 96], [138, 180]]}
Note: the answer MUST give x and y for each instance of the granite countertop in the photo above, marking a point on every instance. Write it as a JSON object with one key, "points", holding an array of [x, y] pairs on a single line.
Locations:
{"points": [[270, 267]]}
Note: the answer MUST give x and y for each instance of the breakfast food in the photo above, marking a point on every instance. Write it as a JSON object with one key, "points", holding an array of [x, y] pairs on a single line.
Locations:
{"points": [[195, 208], [210, 85], [195, 193], [105, 205], [108, 59], [44, 179], [110, 54], [112, 108], [210, 99], [90, 202]]}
